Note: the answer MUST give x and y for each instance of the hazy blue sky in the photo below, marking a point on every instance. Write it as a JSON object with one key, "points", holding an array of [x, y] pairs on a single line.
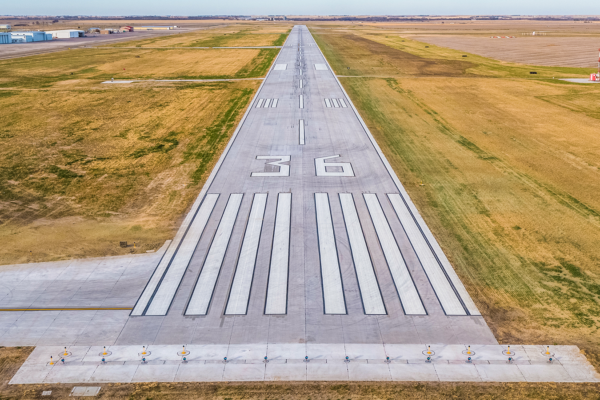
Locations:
{"points": [[304, 7]]}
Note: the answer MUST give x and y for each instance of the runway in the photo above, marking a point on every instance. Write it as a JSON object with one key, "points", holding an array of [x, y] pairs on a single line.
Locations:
{"points": [[304, 233]]}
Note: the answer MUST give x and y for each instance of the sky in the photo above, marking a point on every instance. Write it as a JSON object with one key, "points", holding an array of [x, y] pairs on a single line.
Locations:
{"points": [[302, 7]]}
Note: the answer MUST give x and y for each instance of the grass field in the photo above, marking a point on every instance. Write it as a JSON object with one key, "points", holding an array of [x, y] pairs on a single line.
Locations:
{"points": [[220, 36], [505, 170], [85, 165]]}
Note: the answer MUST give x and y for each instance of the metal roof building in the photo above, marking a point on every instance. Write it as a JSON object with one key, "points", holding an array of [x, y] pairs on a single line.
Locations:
{"points": [[5, 38], [32, 36], [66, 33]]}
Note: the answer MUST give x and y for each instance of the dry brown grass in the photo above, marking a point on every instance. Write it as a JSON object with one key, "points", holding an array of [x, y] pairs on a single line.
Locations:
{"points": [[85, 165], [511, 175]]}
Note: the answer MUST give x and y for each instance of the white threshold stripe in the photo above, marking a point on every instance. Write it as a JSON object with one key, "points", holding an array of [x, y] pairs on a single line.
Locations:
{"points": [[405, 286], [365, 274], [157, 276], [267, 102], [301, 129], [207, 280], [274, 104], [335, 103], [168, 287], [242, 280], [259, 104], [343, 103], [444, 291], [278, 272], [327, 103], [333, 291], [301, 101]]}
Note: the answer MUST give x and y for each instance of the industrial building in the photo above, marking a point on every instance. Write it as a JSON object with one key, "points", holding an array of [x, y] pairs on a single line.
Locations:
{"points": [[66, 34], [5, 26], [5, 38], [32, 36]]}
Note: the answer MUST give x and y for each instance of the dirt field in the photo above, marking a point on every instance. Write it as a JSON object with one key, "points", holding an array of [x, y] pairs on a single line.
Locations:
{"points": [[85, 165], [534, 50], [504, 169]]}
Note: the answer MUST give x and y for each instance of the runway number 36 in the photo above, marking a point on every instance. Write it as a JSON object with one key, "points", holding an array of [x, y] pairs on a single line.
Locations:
{"points": [[280, 166]]}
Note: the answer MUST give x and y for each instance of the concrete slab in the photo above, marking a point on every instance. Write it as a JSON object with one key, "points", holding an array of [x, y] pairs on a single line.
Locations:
{"points": [[457, 372], [70, 373], [330, 371], [244, 372], [30, 374], [368, 372], [113, 373], [499, 373], [413, 372], [155, 373], [285, 372], [545, 373], [200, 372]]}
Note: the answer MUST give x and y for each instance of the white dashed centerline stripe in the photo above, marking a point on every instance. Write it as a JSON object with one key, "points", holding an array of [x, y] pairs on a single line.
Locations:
{"points": [[365, 274], [444, 291], [333, 291], [301, 101], [301, 129], [205, 285], [405, 286], [242, 281], [168, 285], [278, 272], [300, 83]]}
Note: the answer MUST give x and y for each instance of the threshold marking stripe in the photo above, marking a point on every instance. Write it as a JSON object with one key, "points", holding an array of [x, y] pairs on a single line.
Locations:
{"points": [[365, 274], [444, 291], [168, 287], [301, 101], [327, 103], [259, 104], [66, 309], [335, 103], [205, 286], [278, 273], [154, 282], [242, 280], [301, 129], [333, 291], [267, 103], [274, 104], [405, 286], [343, 103]]}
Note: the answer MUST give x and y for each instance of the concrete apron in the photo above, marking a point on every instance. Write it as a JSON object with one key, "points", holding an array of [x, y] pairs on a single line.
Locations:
{"points": [[287, 362]]}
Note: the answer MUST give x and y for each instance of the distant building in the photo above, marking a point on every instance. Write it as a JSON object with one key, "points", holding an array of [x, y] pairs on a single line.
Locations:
{"points": [[4, 26], [33, 36], [152, 28], [5, 38], [66, 34]]}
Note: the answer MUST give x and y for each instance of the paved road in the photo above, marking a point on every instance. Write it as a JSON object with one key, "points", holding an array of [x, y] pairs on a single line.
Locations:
{"points": [[305, 234]]}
